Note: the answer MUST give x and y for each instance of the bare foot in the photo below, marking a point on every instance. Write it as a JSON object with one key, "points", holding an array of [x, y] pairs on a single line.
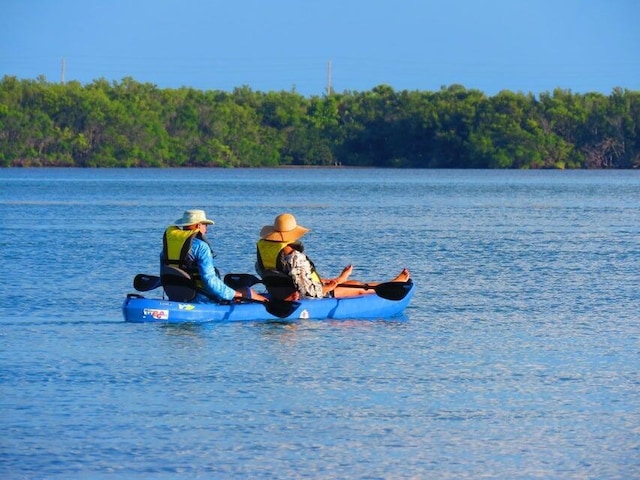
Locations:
{"points": [[404, 276], [348, 270]]}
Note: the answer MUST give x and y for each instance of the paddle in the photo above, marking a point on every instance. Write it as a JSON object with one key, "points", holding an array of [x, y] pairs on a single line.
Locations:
{"points": [[278, 308], [388, 290], [144, 283], [241, 280]]}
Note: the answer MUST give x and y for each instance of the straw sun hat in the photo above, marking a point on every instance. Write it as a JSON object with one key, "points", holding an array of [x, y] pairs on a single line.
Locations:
{"points": [[284, 229], [191, 217]]}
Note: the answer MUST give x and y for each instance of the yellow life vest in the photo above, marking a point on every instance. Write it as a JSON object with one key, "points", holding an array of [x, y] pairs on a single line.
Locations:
{"points": [[175, 239], [176, 246], [268, 252]]}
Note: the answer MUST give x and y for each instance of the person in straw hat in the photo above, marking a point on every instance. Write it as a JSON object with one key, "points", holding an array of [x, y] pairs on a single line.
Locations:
{"points": [[280, 250], [185, 246]]}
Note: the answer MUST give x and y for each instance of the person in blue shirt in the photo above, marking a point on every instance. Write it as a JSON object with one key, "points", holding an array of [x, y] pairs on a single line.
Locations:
{"points": [[186, 247]]}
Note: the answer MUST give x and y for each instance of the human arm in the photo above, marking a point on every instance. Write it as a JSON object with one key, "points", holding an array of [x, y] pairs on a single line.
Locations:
{"points": [[213, 284]]}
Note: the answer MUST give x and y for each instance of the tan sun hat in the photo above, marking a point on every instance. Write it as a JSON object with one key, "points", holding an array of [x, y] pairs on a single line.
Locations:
{"points": [[284, 229], [191, 217]]}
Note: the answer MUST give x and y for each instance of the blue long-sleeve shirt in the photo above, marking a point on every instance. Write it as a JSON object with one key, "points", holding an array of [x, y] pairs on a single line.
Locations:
{"points": [[213, 284]]}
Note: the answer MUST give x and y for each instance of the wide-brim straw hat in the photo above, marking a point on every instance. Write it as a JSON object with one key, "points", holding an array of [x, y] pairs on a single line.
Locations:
{"points": [[284, 229], [193, 217]]}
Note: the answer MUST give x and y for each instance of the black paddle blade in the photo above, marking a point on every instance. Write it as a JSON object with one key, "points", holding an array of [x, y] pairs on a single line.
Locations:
{"points": [[238, 281], [277, 308], [393, 290], [144, 283], [281, 308]]}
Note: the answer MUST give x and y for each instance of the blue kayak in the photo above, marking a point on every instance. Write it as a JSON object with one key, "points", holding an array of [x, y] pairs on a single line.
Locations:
{"points": [[137, 308]]}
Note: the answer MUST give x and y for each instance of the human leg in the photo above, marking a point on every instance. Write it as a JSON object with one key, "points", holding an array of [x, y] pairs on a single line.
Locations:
{"points": [[341, 292]]}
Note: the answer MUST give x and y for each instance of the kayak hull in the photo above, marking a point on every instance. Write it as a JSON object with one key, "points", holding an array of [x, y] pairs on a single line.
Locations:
{"points": [[139, 309]]}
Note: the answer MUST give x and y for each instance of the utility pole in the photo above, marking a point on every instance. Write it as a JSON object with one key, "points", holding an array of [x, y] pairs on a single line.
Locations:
{"points": [[329, 88], [62, 71]]}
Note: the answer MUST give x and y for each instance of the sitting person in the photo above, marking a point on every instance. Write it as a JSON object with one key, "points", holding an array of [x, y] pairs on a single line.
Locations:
{"points": [[279, 250], [186, 247]]}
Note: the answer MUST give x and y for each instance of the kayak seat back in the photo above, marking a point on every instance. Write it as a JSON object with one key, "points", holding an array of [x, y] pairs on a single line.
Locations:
{"points": [[278, 284], [177, 284]]}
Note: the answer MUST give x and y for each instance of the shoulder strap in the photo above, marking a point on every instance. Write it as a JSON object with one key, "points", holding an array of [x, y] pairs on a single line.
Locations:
{"points": [[185, 250], [165, 250], [200, 236], [280, 261]]}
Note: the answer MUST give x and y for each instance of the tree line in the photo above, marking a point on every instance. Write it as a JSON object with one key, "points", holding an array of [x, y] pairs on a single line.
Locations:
{"points": [[133, 124]]}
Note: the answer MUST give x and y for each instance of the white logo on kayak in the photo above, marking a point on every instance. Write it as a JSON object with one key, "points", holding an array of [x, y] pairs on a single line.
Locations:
{"points": [[304, 314], [156, 313]]}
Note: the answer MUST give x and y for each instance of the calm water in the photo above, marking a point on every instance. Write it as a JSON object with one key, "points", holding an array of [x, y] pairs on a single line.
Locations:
{"points": [[518, 357]]}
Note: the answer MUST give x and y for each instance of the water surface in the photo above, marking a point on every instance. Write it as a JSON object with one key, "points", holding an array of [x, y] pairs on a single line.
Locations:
{"points": [[517, 358]]}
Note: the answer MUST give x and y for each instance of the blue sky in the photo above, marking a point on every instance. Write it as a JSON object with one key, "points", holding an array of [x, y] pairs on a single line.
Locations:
{"points": [[272, 45]]}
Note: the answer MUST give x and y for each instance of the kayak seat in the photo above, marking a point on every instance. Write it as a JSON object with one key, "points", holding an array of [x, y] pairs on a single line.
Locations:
{"points": [[278, 284], [177, 284]]}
